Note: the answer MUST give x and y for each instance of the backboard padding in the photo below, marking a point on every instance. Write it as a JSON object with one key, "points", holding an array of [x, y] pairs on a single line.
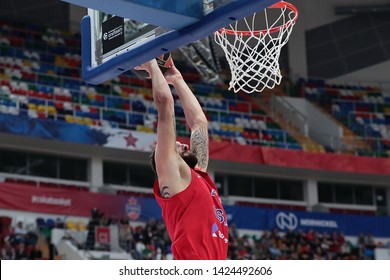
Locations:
{"points": [[173, 14]]}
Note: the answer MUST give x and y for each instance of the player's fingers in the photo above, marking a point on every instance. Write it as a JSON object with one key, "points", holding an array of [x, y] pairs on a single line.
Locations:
{"points": [[138, 68]]}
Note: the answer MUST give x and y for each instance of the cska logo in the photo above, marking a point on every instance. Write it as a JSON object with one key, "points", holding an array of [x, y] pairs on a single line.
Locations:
{"points": [[219, 214]]}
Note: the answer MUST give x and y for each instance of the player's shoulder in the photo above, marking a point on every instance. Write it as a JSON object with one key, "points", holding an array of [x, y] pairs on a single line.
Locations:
{"points": [[203, 173]]}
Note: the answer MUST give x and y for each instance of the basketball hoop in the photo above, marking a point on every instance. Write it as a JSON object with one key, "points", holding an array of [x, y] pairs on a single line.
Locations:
{"points": [[252, 47]]}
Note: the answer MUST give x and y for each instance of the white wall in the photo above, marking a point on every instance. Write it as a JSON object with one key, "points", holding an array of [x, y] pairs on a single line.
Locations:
{"points": [[378, 74], [321, 128], [320, 12], [297, 44], [316, 13]]}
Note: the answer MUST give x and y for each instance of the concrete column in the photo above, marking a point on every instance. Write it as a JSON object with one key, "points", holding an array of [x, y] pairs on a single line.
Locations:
{"points": [[310, 193], [297, 45], [96, 174]]}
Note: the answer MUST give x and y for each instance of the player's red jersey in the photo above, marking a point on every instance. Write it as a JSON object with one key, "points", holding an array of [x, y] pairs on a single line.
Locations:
{"points": [[195, 220]]}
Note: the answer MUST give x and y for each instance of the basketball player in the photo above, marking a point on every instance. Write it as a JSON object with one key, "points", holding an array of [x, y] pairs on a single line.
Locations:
{"points": [[191, 209]]}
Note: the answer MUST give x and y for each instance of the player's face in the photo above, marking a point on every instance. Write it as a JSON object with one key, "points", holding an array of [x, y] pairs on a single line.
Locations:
{"points": [[181, 148], [184, 151]]}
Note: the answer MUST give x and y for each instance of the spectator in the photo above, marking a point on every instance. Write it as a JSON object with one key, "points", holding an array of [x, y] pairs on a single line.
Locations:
{"points": [[319, 254], [361, 242], [21, 252], [31, 238], [8, 252], [341, 238], [266, 239], [125, 236], [309, 245], [310, 235], [59, 223], [369, 246], [325, 242], [139, 249], [300, 236], [36, 253], [19, 233], [345, 249], [369, 241], [305, 251], [290, 237], [233, 231]]}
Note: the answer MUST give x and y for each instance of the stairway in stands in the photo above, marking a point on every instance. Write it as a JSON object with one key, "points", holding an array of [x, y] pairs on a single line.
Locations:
{"points": [[350, 139], [263, 100]]}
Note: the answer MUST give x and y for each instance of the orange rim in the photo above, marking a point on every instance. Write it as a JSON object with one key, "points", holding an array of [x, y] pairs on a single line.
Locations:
{"points": [[278, 5]]}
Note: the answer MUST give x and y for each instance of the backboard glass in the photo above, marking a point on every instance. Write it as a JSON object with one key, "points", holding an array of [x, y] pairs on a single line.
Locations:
{"points": [[118, 35]]}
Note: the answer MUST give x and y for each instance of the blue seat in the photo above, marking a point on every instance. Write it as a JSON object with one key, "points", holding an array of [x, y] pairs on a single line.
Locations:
{"points": [[50, 223], [139, 106], [40, 223], [136, 119]]}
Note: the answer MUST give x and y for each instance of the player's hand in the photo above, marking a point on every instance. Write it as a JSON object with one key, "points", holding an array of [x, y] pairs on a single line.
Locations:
{"points": [[172, 75], [147, 66]]}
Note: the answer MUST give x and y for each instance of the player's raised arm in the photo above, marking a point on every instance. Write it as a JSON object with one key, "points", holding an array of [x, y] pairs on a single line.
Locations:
{"points": [[167, 167], [195, 117]]}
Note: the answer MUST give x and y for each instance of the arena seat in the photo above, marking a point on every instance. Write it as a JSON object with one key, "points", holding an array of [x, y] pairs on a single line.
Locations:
{"points": [[362, 109], [53, 71]]}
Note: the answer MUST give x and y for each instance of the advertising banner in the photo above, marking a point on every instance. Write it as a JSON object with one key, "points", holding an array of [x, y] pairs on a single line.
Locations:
{"points": [[75, 203], [285, 220], [349, 224], [102, 235]]}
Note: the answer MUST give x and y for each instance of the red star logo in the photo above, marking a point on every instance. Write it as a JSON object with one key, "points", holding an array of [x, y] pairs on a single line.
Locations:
{"points": [[130, 140], [132, 201]]}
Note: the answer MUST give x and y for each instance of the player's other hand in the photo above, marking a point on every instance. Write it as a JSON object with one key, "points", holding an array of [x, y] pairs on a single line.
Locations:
{"points": [[147, 66], [172, 75]]}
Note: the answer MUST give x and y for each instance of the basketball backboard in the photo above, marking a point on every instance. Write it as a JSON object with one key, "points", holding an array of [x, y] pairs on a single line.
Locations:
{"points": [[118, 35]]}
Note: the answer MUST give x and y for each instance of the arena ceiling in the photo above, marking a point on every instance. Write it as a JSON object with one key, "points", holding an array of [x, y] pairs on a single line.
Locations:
{"points": [[56, 13], [53, 13]]}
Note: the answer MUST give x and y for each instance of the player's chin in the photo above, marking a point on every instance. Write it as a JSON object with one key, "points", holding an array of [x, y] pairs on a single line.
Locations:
{"points": [[190, 159]]}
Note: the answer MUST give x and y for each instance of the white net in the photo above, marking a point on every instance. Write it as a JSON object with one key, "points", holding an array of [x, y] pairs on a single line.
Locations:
{"points": [[252, 47]]}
